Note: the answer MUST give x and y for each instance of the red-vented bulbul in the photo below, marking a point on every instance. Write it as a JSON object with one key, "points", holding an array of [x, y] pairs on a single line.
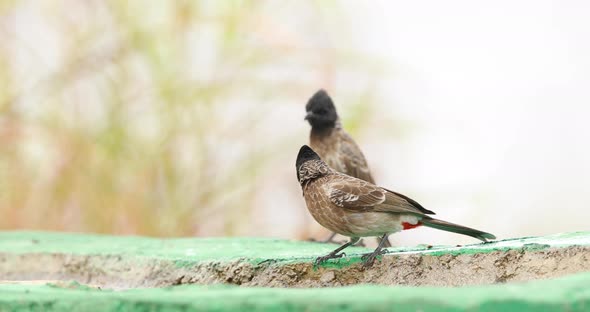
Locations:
{"points": [[356, 208], [332, 143]]}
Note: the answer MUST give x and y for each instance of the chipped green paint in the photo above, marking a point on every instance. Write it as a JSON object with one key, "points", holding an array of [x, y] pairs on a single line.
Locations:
{"points": [[188, 251], [184, 251], [564, 294]]}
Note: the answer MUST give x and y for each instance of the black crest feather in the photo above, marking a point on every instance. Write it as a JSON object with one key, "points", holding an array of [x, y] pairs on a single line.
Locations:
{"points": [[320, 99], [305, 154]]}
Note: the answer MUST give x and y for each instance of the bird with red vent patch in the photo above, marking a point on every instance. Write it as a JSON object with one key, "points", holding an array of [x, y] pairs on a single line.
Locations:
{"points": [[356, 208]]}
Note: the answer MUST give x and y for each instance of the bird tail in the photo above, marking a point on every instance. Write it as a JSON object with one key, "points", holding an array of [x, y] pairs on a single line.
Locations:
{"points": [[456, 228]]}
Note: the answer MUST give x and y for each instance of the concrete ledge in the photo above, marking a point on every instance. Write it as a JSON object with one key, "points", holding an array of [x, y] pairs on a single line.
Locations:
{"points": [[129, 262], [565, 294]]}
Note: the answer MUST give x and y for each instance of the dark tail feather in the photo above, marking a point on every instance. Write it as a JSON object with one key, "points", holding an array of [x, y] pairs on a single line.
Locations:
{"points": [[455, 228]]}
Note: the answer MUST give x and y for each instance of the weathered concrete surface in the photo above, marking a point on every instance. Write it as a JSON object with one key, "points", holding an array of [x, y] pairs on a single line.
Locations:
{"points": [[127, 262], [565, 294]]}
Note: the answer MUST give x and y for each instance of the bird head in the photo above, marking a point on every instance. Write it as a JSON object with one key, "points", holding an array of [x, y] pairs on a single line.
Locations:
{"points": [[309, 165], [321, 112]]}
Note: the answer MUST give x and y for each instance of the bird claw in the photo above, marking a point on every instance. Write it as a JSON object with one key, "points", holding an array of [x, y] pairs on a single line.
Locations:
{"points": [[327, 257], [369, 259]]}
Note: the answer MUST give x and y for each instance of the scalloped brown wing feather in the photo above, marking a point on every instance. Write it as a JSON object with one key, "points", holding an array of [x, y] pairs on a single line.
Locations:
{"points": [[355, 194]]}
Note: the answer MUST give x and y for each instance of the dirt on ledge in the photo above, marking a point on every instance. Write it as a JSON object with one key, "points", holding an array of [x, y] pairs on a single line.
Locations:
{"points": [[406, 269]]}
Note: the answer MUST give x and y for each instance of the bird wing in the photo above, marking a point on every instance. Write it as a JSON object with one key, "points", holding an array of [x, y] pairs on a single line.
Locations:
{"points": [[355, 194], [353, 159], [351, 193], [394, 196]]}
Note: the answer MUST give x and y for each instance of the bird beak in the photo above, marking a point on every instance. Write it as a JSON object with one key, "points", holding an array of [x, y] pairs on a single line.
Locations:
{"points": [[308, 116]]}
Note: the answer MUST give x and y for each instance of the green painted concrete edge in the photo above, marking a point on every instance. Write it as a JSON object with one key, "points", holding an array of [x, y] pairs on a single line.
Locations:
{"points": [[188, 251], [571, 293]]}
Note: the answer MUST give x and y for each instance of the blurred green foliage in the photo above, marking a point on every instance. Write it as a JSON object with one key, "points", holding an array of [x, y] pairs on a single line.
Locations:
{"points": [[145, 116]]}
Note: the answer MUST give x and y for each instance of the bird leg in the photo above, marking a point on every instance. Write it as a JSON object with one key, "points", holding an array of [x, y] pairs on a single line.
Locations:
{"points": [[386, 244], [335, 254], [369, 259]]}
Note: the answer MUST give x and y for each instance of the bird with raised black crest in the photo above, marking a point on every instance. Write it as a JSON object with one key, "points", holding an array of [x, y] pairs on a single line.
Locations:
{"points": [[356, 208], [332, 143]]}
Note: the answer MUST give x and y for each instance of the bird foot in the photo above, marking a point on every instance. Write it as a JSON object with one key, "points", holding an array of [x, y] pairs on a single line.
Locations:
{"points": [[369, 259], [329, 256]]}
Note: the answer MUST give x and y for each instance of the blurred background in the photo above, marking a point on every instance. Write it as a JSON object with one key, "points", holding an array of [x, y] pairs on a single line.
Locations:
{"points": [[183, 118]]}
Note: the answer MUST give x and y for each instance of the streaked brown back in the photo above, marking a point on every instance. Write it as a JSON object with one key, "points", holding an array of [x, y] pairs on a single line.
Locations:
{"points": [[341, 153]]}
